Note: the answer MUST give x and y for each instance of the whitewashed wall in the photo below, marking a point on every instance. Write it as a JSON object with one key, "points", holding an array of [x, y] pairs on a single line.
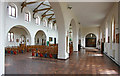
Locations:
{"points": [[30, 26], [86, 31], [17, 35], [63, 17], [111, 49]]}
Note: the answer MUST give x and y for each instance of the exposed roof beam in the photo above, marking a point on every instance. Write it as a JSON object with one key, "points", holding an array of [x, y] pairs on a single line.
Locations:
{"points": [[44, 14], [24, 4], [47, 5], [50, 18], [48, 14], [30, 3], [42, 9], [36, 9], [54, 21], [38, 6]]}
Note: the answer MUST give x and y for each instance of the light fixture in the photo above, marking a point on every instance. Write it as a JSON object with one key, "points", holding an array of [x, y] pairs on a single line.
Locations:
{"points": [[91, 35]]}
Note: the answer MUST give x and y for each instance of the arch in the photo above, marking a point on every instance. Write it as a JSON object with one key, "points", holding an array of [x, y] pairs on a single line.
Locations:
{"points": [[38, 20], [79, 42], [16, 9], [29, 16], [90, 35], [40, 36], [23, 37], [75, 35], [90, 40], [20, 26], [62, 38]]}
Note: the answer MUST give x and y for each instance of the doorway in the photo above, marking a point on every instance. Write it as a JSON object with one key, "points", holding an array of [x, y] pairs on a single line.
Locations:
{"points": [[54, 40], [90, 40]]}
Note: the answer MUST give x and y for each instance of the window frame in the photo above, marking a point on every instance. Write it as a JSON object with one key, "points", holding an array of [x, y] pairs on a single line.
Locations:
{"points": [[45, 23], [106, 33], [51, 25], [11, 14], [113, 30], [11, 37], [37, 20], [27, 18]]}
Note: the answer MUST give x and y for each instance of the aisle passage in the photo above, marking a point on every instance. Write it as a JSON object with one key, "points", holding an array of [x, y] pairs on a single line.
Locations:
{"points": [[83, 62]]}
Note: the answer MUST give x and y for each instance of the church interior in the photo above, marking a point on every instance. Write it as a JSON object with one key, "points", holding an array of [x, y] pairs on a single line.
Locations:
{"points": [[53, 37]]}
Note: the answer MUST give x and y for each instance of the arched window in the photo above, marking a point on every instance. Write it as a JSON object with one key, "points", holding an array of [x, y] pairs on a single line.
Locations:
{"points": [[55, 26], [45, 23], [37, 20], [50, 25], [113, 30], [27, 16], [106, 33], [12, 10], [10, 36]]}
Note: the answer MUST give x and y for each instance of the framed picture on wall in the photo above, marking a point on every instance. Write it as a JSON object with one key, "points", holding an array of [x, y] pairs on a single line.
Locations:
{"points": [[50, 38]]}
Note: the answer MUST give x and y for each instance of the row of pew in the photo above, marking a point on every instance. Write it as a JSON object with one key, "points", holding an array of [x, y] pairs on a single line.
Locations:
{"points": [[50, 51], [46, 51], [16, 50]]}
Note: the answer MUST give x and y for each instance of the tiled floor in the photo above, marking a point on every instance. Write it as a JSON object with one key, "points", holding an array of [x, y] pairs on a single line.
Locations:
{"points": [[84, 62]]}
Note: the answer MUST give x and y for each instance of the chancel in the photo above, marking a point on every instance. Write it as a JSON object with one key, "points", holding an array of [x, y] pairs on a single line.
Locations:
{"points": [[46, 37]]}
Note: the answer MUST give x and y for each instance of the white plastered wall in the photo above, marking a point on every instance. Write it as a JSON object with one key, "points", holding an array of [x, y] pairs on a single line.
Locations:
{"points": [[64, 17], [67, 14], [30, 26], [2, 52], [86, 31], [33, 28], [111, 49], [18, 32]]}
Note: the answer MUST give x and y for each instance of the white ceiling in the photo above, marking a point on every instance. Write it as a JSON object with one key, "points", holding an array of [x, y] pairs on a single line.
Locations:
{"points": [[91, 13]]}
